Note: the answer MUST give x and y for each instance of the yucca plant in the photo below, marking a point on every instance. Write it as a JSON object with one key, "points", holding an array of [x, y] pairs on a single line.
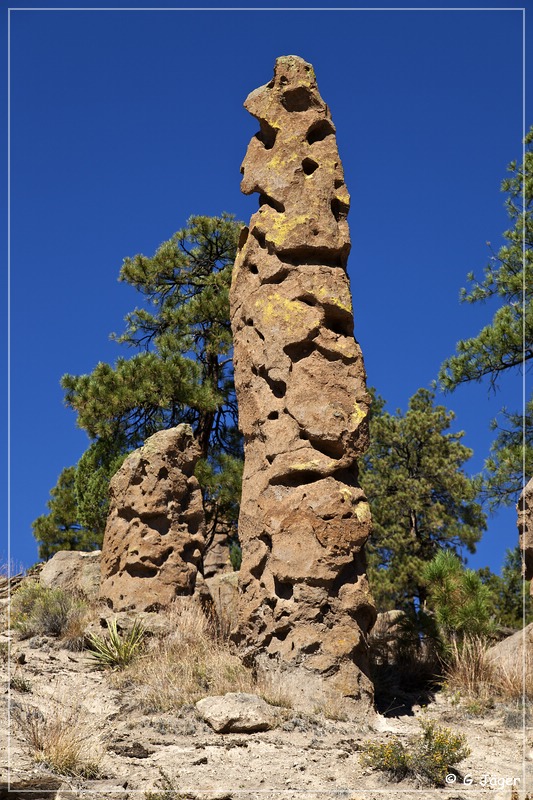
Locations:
{"points": [[117, 650]]}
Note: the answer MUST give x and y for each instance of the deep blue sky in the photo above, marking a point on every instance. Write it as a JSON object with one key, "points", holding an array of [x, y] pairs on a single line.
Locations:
{"points": [[124, 123]]}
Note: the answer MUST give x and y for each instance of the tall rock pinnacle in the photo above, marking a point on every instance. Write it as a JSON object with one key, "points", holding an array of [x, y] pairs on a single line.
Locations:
{"points": [[305, 604]]}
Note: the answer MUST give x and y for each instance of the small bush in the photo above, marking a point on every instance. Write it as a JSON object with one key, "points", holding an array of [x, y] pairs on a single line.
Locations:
{"points": [[428, 756], [61, 740], [391, 757], [117, 649], [20, 684], [38, 611]]}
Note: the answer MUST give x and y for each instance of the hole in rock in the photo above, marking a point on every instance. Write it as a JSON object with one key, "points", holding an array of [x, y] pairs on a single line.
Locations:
{"points": [[243, 235], [273, 415], [299, 350], [283, 589], [338, 321], [339, 210], [282, 634], [159, 523], [331, 449], [310, 648], [259, 237], [299, 478], [249, 321], [162, 474], [253, 269], [266, 539], [266, 135], [260, 335], [309, 256], [278, 277], [298, 99], [139, 570], [266, 200], [319, 130], [309, 166], [162, 557], [278, 388]]}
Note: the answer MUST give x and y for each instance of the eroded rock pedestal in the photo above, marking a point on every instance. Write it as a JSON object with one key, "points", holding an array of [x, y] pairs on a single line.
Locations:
{"points": [[155, 530], [525, 529], [303, 404]]}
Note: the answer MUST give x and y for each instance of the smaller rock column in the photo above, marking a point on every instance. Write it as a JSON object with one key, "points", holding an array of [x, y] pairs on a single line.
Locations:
{"points": [[155, 532]]}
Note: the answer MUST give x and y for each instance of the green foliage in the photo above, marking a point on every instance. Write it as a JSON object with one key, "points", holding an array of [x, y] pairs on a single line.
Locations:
{"points": [[61, 529], [94, 470], [507, 342], [461, 601], [421, 499], [510, 592], [429, 756], [184, 373], [117, 649], [36, 610], [235, 555]]}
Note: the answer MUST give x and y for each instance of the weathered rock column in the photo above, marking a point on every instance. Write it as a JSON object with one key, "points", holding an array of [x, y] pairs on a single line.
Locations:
{"points": [[155, 532], [303, 405]]}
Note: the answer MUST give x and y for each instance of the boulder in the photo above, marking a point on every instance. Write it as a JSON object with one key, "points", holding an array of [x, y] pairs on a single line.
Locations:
{"points": [[73, 571], [302, 399], [155, 532], [236, 712], [509, 656]]}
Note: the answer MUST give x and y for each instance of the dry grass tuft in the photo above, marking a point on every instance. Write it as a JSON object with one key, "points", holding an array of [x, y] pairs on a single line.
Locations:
{"points": [[62, 739], [184, 666], [473, 677]]}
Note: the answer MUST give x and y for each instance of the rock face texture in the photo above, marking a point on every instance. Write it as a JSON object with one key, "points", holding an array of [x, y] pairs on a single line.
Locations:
{"points": [[155, 530], [525, 529], [73, 571], [303, 404]]}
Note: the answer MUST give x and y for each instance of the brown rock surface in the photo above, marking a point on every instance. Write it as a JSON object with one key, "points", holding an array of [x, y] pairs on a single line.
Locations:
{"points": [[155, 530], [73, 570], [302, 398], [525, 529]]}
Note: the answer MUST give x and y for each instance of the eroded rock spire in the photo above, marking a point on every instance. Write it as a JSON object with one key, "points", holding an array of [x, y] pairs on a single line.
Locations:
{"points": [[303, 404]]}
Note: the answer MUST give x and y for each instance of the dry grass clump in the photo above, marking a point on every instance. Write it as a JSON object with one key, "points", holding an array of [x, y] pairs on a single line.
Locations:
{"points": [[184, 666], [61, 739], [475, 678]]}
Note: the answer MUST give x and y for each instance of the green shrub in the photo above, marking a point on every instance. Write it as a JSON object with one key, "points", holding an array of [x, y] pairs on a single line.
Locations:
{"points": [[117, 649], [429, 756], [36, 610]]}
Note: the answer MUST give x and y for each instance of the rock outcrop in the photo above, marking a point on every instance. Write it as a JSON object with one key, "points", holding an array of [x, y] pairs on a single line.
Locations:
{"points": [[155, 531], [525, 529], [303, 404], [73, 571]]}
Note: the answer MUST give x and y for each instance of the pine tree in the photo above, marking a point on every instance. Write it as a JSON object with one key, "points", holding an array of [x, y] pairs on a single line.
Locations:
{"points": [[506, 344], [182, 372], [60, 528], [421, 499]]}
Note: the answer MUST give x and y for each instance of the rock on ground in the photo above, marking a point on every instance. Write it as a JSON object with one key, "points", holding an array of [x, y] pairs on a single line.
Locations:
{"points": [[236, 712]]}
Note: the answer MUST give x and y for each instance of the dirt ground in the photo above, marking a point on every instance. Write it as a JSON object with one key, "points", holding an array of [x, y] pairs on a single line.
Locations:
{"points": [[304, 756]]}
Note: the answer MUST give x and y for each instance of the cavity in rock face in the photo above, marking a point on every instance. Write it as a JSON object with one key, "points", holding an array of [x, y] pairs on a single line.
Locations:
{"points": [[525, 530], [155, 532], [303, 404]]}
